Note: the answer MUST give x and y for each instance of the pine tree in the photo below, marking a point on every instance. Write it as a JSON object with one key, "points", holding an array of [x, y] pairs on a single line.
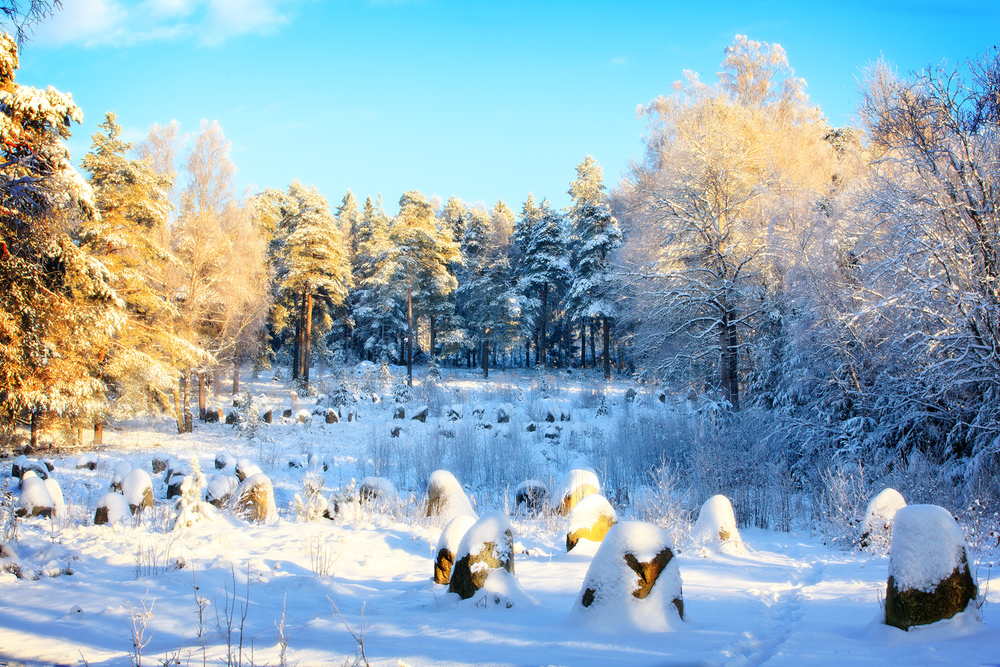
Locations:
{"points": [[130, 238], [378, 313], [348, 219], [421, 255], [58, 311], [596, 236], [315, 263], [545, 269]]}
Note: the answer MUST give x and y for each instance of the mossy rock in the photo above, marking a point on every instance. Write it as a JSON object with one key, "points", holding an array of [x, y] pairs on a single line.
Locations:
{"points": [[443, 565], [648, 572], [906, 608], [594, 532], [468, 576]]}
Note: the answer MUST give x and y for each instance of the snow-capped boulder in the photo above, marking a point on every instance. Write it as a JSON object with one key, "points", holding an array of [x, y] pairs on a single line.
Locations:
{"points": [[553, 411], [504, 413], [214, 414], [22, 463], [175, 483], [253, 500], [35, 499], [590, 519], [246, 468], [575, 486], [55, 491], [876, 529], [303, 416], [531, 493], [87, 461], [630, 394], [122, 468], [420, 414], [445, 497], [399, 412], [111, 508], [332, 416], [929, 576], [486, 546], [455, 412], [633, 582], [372, 488], [716, 526], [219, 490], [137, 487], [447, 545], [159, 463], [224, 461]]}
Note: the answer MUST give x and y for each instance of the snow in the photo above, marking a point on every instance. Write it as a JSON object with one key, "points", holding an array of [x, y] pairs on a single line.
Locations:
{"points": [[56, 494], [927, 546], [34, 494], [588, 512], [454, 531], [488, 530], [135, 486], [575, 485], [612, 582], [716, 526], [117, 506], [790, 600], [376, 487], [447, 498], [876, 528]]}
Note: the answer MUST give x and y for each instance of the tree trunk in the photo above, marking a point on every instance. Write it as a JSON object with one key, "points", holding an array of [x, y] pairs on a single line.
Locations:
{"points": [[409, 334], [34, 430], [728, 363], [433, 328], [542, 348], [295, 349], [607, 348], [178, 396], [215, 382], [593, 341], [583, 344], [236, 376], [486, 359], [202, 412], [307, 302], [98, 434]]}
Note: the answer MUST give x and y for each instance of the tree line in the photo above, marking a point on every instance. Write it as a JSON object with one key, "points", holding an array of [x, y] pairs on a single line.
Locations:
{"points": [[838, 283]]}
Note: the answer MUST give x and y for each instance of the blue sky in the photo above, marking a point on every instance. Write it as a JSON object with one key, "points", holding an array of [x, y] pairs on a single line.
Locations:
{"points": [[482, 100]]}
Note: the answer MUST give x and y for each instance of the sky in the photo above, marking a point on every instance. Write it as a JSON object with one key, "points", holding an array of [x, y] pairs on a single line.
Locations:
{"points": [[480, 100]]}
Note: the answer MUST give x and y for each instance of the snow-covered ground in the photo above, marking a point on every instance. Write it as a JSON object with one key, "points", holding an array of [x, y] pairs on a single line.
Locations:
{"points": [[318, 592]]}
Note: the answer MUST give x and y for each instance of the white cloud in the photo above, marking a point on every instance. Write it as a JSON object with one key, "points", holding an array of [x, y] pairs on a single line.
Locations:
{"points": [[123, 23]]}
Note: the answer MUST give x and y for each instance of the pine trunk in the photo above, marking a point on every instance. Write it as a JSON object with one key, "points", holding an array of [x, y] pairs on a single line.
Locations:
{"points": [[542, 347], [728, 363], [201, 396], [98, 434], [593, 341], [433, 329], [236, 376], [486, 359], [583, 344], [296, 363], [409, 334], [34, 430], [607, 349], [307, 303]]}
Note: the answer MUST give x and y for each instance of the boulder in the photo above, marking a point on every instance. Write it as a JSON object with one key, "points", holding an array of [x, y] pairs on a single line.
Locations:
{"points": [[233, 418], [159, 463], [372, 488], [303, 416], [212, 415], [447, 545], [454, 412], [487, 545], [630, 395], [175, 484], [220, 489], [137, 487], [445, 497], [399, 412], [504, 413], [716, 527], [268, 416], [531, 493], [87, 462], [395, 431], [420, 414], [122, 468], [35, 499], [245, 468], [112, 508], [55, 492], [633, 582], [575, 486], [876, 528], [253, 500], [590, 519], [929, 576], [332, 417], [22, 463], [224, 460]]}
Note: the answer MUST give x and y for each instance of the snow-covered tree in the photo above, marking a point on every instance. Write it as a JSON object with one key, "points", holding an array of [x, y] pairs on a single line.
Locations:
{"points": [[596, 237], [131, 239], [420, 258], [544, 267], [379, 319], [58, 310], [314, 263]]}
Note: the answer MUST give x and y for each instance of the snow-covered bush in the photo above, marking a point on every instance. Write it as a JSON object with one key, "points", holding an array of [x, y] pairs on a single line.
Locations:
{"points": [[189, 508], [929, 576], [311, 504], [633, 583]]}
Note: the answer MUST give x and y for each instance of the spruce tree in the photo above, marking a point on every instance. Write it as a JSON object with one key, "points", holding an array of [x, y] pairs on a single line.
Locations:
{"points": [[379, 319], [545, 269]]}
